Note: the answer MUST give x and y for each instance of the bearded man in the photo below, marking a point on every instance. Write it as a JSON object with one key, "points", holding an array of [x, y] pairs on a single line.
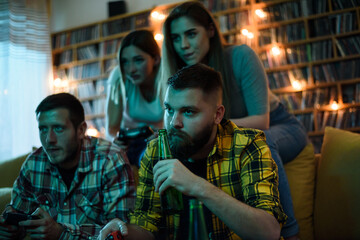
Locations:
{"points": [[228, 168]]}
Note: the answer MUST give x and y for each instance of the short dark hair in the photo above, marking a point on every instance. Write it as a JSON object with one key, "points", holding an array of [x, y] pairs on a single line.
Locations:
{"points": [[63, 100], [197, 76]]}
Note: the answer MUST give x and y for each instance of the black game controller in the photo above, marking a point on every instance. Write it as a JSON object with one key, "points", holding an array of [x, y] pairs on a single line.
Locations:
{"points": [[13, 218], [134, 133]]}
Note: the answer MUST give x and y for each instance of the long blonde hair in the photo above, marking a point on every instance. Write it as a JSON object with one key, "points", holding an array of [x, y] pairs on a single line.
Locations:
{"points": [[171, 62]]}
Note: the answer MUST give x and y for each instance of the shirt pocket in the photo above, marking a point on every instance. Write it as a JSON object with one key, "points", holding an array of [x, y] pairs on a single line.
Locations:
{"points": [[48, 203], [89, 208]]}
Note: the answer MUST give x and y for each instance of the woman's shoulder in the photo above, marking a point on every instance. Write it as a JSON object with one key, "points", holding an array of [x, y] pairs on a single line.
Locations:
{"points": [[243, 48]]}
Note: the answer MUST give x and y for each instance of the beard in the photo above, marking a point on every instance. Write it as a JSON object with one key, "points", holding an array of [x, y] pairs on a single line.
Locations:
{"points": [[183, 146]]}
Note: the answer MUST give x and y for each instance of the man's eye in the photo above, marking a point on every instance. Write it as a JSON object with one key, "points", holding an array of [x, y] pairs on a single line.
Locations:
{"points": [[189, 112], [191, 34], [139, 60], [42, 130], [169, 110], [58, 129]]}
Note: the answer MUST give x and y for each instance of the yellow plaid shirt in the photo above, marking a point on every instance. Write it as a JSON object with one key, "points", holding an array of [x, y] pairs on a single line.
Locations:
{"points": [[240, 164]]}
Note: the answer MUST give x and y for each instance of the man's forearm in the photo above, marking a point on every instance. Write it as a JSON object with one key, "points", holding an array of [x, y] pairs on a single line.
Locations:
{"points": [[135, 232], [244, 220]]}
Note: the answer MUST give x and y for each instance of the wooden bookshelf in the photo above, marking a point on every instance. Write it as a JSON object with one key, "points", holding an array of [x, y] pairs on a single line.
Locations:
{"points": [[318, 45]]}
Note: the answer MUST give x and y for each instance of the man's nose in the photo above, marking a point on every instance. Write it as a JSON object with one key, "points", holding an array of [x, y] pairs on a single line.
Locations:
{"points": [[176, 121], [51, 137]]}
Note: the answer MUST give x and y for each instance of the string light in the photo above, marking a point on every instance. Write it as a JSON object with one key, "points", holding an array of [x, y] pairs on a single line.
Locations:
{"points": [[334, 105], [159, 37], [260, 13], [57, 82], [296, 85], [246, 33], [93, 132], [275, 51]]}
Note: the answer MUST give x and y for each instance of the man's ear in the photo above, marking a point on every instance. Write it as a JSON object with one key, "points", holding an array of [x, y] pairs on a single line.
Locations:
{"points": [[81, 130], [219, 115]]}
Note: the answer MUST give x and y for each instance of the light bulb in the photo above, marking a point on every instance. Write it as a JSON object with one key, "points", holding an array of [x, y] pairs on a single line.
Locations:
{"points": [[275, 51], [296, 85], [159, 37], [93, 132], [334, 105], [245, 32], [57, 82], [260, 13]]}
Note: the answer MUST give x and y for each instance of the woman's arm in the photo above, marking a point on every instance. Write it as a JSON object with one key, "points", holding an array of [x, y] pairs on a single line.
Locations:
{"points": [[114, 105], [251, 78], [261, 122]]}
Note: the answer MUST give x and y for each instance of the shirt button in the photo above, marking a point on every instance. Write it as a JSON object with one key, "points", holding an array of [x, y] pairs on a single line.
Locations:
{"points": [[65, 204], [47, 202]]}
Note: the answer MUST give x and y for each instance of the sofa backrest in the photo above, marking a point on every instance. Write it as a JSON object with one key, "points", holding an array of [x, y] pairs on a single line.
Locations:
{"points": [[9, 170]]}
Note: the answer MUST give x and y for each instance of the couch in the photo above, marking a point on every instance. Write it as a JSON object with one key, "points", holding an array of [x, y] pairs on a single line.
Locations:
{"points": [[325, 189]]}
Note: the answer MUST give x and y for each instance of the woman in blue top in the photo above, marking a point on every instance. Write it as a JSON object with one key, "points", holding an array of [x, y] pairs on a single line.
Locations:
{"points": [[133, 100], [191, 36]]}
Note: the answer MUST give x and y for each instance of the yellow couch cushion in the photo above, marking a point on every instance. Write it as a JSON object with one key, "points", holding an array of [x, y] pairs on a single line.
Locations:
{"points": [[301, 176], [337, 202], [5, 197], [10, 169]]}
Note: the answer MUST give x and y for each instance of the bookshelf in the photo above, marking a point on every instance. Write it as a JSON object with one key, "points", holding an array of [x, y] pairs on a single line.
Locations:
{"points": [[84, 56], [310, 51]]}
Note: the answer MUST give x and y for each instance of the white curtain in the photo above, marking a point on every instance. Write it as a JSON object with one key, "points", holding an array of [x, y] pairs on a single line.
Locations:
{"points": [[25, 73]]}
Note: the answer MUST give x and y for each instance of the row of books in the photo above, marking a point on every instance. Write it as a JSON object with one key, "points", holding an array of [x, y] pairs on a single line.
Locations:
{"points": [[125, 24], [343, 118], [283, 79], [283, 34], [299, 54], [91, 89], [351, 93], [221, 5], [239, 39], [109, 47], [310, 7], [75, 36], [333, 24], [309, 99], [94, 107], [282, 12], [348, 45], [234, 21], [343, 4], [336, 71], [84, 71], [88, 52], [64, 57]]}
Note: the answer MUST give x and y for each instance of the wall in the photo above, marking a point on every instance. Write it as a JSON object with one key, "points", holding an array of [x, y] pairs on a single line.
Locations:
{"points": [[67, 14]]}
